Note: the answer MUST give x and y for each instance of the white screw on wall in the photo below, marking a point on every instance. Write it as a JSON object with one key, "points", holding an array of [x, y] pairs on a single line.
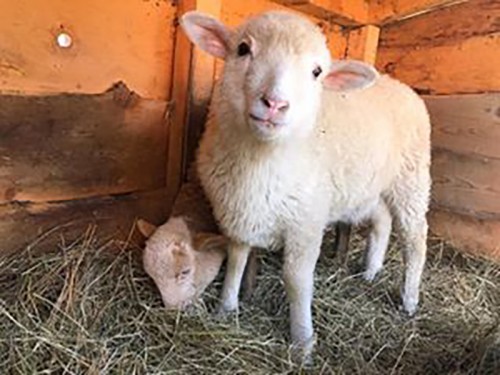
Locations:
{"points": [[64, 40]]}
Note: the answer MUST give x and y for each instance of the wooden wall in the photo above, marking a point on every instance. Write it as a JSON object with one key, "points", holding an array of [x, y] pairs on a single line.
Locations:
{"points": [[452, 57], [83, 136], [103, 131]]}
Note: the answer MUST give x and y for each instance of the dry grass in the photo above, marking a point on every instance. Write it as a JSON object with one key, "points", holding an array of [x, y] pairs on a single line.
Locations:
{"points": [[88, 308]]}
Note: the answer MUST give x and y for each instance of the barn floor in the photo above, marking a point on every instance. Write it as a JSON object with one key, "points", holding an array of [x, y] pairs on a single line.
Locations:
{"points": [[87, 307]]}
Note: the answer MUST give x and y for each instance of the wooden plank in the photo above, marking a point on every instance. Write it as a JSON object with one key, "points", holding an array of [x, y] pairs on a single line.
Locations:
{"points": [[112, 40], [466, 184], [341, 12], [444, 26], [469, 66], [45, 223], [183, 75], [383, 11], [72, 146], [468, 124], [475, 236], [202, 83], [362, 44]]}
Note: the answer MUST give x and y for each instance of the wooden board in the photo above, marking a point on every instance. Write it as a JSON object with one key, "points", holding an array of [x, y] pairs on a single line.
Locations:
{"points": [[112, 40], [384, 11], [467, 124], [467, 67], [466, 184], [46, 223], [193, 77], [362, 44], [445, 26], [478, 237], [461, 55], [341, 12], [72, 146]]}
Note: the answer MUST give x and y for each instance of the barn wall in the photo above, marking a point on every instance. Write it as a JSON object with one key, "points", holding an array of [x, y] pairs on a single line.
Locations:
{"points": [[452, 56], [83, 136]]}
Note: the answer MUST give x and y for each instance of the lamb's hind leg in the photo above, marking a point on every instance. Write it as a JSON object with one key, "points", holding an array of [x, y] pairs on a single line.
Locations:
{"points": [[378, 240], [410, 197], [236, 262]]}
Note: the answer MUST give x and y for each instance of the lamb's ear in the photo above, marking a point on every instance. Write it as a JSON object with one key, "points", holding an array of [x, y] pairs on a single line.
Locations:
{"points": [[147, 229], [346, 75], [209, 241], [207, 33]]}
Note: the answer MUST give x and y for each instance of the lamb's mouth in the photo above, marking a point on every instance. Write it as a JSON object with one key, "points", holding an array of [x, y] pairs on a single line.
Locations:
{"points": [[261, 121]]}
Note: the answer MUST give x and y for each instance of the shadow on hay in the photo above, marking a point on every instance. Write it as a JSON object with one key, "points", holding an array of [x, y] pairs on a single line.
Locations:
{"points": [[88, 307]]}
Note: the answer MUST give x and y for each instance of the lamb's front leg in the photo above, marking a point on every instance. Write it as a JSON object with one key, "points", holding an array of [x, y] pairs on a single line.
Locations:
{"points": [[298, 269], [236, 262]]}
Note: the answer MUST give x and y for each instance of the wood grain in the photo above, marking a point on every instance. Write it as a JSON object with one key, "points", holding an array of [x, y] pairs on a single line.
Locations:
{"points": [[477, 237], [467, 124], [384, 11], [111, 42], [183, 75], [362, 44], [73, 146], [341, 12], [466, 184], [46, 223], [445, 26], [469, 66]]}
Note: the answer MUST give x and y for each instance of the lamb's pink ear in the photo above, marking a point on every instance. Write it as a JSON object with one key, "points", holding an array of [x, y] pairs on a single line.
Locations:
{"points": [[346, 75], [207, 33], [147, 229]]}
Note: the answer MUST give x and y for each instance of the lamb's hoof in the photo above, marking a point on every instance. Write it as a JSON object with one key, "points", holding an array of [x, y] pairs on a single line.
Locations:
{"points": [[301, 353], [410, 305], [370, 274], [226, 312]]}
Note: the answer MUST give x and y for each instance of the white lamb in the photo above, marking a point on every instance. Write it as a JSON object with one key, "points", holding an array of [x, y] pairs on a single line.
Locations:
{"points": [[295, 141]]}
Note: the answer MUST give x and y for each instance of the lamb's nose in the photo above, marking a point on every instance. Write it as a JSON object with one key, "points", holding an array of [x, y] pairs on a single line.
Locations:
{"points": [[275, 105]]}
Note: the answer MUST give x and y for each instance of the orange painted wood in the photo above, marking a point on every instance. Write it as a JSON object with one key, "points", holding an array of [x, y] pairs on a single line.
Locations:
{"points": [[467, 124], [477, 237], [113, 41], [341, 12], [384, 11], [466, 184], [186, 82], [445, 26], [469, 66], [362, 44], [447, 51]]}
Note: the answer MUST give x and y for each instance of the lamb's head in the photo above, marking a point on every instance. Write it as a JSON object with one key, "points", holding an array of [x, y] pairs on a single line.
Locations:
{"points": [[169, 259], [276, 66]]}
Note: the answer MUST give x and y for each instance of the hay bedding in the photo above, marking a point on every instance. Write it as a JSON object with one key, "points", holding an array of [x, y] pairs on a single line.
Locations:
{"points": [[88, 308]]}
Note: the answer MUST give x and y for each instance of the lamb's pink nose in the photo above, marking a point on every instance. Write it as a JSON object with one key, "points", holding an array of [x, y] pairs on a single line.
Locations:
{"points": [[275, 105]]}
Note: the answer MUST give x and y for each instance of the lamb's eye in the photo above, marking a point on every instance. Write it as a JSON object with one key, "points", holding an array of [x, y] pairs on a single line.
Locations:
{"points": [[317, 71], [243, 49]]}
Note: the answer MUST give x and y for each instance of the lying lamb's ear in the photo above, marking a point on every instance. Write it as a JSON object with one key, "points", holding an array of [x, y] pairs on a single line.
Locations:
{"points": [[209, 241], [147, 229], [207, 33], [346, 75]]}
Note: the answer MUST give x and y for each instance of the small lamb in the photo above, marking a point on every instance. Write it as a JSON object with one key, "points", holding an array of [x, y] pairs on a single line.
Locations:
{"points": [[295, 141], [184, 255], [182, 266]]}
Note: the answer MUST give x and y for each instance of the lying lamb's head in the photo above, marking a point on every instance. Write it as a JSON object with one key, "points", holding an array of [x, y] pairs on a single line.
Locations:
{"points": [[169, 259], [276, 65]]}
